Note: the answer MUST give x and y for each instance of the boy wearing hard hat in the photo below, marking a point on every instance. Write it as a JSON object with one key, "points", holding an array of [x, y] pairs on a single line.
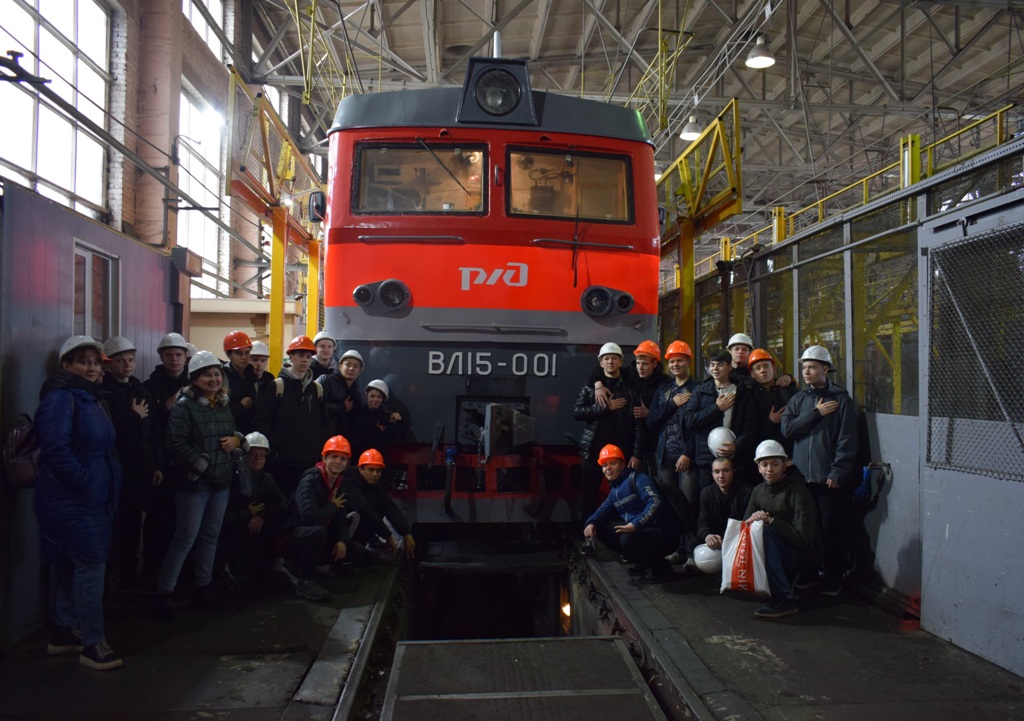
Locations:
{"points": [[821, 422], [792, 534]]}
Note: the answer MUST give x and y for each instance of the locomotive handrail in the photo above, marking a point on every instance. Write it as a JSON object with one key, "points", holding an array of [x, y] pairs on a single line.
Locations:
{"points": [[401, 238], [581, 243], [493, 328]]}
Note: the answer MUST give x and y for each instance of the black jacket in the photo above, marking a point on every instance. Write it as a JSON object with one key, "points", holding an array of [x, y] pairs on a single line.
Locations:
{"points": [[241, 386], [716, 508], [766, 398], [163, 387], [336, 391], [703, 415], [667, 422], [134, 444], [794, 516], [265, 491], [295, 423], [607, 426], [373, 505], [311, 505]]}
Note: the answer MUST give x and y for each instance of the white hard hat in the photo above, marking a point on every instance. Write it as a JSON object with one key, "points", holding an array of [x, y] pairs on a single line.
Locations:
{"points": [[190, 350], [609, 349], [257, 440], [709, 560], [260, 348], [740, 339], [172, 340], [352, 354], [817, 353], [201, 360], [769, 449], [117, 344], [718, 437], [324, 335], [381, 386], [79, 341]]}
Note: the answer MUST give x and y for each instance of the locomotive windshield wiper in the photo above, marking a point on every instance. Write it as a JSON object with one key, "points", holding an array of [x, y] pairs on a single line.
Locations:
{"points": [[441, 163]]}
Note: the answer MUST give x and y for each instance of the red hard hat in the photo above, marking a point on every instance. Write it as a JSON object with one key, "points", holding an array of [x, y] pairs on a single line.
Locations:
{"points": [[371, 458], [609, 452], [337, 444], [301, 342], [237, 340], [678, 349], [649, 347], [757, 355]]}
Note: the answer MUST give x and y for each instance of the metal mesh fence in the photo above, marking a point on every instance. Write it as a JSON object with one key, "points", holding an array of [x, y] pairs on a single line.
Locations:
{"points": [[976, 388], [965, 187]]}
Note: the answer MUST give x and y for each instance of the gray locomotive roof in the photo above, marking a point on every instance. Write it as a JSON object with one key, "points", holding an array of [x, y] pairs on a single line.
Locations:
{"points": [[439, 106]]}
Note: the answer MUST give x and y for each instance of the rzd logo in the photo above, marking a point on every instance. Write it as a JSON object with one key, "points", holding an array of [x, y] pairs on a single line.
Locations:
{"points": [[508, 275]]}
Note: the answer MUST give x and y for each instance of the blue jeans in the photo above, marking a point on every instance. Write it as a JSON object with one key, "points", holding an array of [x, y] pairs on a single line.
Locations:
{"points": [[781, 562], [78, 601], [199, 518]]}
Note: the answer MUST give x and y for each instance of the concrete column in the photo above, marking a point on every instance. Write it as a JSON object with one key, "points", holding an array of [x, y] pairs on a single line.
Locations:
{"points": [[159, 94]]}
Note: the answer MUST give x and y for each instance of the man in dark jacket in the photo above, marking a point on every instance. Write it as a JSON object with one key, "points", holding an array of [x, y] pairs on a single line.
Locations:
{"points": [[675, 450], [341, 394], [164, 383], [240, 379], [770, 398], [365, 495], [129, 403], [821, 421], [316, 526], [720, 403], [720, 502], [248, 538], [792, 534], [613, 424], [294, 417]]}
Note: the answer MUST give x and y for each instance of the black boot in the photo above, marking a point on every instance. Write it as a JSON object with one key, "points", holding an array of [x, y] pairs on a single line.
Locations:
{"points": [[204, 597], [164, 609]]}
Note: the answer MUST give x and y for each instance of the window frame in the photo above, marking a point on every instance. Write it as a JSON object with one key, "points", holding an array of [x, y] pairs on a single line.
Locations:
{"points": [[83, 323]]}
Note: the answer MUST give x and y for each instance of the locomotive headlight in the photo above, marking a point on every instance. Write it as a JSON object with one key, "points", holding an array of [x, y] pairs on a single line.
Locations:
{"points": [[596, 301], [498, 92], [363, 295], [394, 294]]}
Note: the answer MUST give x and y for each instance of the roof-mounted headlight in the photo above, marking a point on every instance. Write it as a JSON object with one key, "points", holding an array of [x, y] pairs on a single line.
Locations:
{"points": [[498, 92]]}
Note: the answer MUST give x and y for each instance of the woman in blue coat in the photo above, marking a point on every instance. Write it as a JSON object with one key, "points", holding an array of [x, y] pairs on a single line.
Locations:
{"points": [[76, 497]]}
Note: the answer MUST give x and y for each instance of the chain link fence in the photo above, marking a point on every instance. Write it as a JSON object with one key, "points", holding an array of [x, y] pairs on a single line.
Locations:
{"points": [[976, 386]]}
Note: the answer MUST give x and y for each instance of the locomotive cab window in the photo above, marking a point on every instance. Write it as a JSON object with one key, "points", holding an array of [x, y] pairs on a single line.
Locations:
{"points": [[427, 179], [570, 185]]}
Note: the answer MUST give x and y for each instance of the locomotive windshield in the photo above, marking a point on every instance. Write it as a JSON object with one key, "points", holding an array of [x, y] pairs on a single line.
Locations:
{"points": [[407, 179], [570, 185]]}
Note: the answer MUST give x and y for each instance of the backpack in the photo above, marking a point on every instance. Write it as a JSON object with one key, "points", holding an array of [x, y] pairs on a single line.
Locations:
{"points": [[21, 454], [279, 389]]}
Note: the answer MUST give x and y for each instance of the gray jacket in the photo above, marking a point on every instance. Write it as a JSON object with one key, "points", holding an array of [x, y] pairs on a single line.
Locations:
{"points": [[824, 447]]}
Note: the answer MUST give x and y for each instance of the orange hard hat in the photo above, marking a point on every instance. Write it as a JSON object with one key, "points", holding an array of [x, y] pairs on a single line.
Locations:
{"points": [[237, 340], [678, 349], [301, 342], [609, 452], [337, 444], [371, 458], [757, 355], [649, 347]]}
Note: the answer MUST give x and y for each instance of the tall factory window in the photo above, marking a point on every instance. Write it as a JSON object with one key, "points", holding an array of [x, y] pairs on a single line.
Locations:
{"points": [[97, 293], [201, 176], [43, 146], [205, 30]]}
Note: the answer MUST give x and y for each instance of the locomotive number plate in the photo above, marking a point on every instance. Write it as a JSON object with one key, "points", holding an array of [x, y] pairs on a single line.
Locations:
{"points": [[485, 363]]}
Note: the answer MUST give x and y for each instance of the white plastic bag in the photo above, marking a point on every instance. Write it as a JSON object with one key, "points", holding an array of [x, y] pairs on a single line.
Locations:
{"points": [[743, 566]]}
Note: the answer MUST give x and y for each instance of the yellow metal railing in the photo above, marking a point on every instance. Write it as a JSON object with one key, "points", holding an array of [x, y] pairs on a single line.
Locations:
{"points": [[980, 136]]}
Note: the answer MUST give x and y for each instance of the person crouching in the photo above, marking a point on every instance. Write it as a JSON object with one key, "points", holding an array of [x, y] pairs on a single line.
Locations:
{"points": [[634, 519]]}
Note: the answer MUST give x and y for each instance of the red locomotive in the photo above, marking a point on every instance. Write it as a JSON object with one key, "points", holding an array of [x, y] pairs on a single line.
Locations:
{"points": [[481, 243]]}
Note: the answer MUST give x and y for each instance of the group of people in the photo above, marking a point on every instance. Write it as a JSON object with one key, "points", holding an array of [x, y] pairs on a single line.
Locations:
{"points": [[215, 459], [681, 457]]}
